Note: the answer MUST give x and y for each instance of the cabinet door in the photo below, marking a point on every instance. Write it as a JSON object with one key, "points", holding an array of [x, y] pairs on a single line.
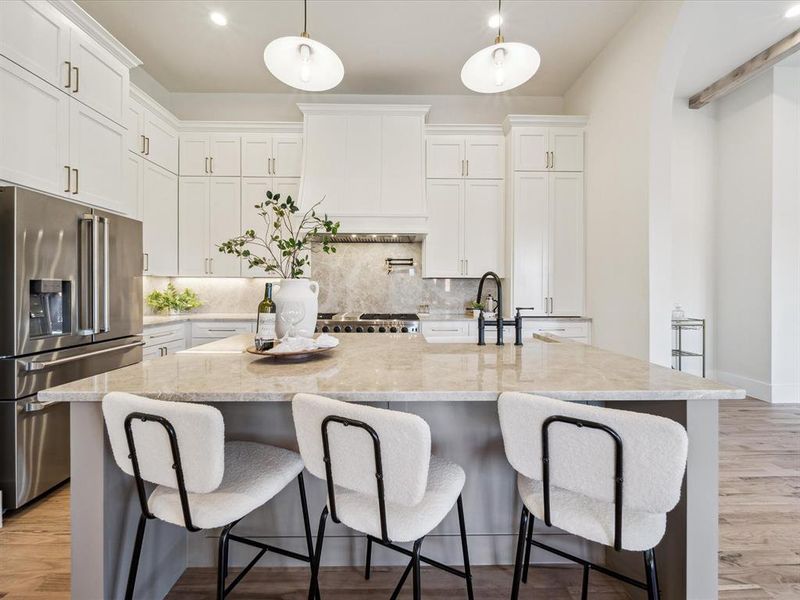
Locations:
{"points": [[566, 244], [256, 155], [98, 148], [530, 241], [134, 174], [194, 154], [34, 131], [287, 155], [193, 226], [566, 145], [363, 163], [226, 155], [402, 166], [225, 222], [325, 157], [162, 142], [485, 156], [531, 145], [135, 125], [36, 36], [98, 79], [159, 220], [483, 227], [443, 256], [445, 157]]}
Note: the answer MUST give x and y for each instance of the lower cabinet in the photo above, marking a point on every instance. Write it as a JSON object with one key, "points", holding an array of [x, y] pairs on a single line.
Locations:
{"points": [[208, 331], [162, 340], [466, 331], [159, 214]]}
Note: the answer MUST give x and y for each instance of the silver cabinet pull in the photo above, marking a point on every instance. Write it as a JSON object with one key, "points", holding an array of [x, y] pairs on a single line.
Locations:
{"points": [[467, 161], [143, 143], [221, 330], [205, 266], [456, 330], [147, 145], [206, 165], [76, 181], [69, 74], [274, 166], [69, 178], [462, 167], [77, 79], [552, 306], [37, 365], [269, 166], [466, 261], [210, 164], [145, 262], [210, 266]]}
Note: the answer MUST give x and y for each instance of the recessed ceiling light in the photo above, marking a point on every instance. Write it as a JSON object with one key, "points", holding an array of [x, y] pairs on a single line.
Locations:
{"points": [[495, 21], [218, 18], [793, 12]]}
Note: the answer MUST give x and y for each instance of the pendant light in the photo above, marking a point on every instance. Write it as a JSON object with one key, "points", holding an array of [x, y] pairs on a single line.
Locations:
{"points": [[500, 67], [303, 63]]}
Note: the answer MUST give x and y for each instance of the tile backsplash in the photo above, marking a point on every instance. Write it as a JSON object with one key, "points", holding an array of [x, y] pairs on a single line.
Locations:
{"points": [[354, 278]]}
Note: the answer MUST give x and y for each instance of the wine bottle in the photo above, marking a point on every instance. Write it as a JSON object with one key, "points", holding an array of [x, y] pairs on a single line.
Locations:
{"points": [[265, 327]]}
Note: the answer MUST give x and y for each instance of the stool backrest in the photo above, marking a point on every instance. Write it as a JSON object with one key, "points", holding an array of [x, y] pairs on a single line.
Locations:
{"points": [[200, 433], [405, 447], [582, 459]]}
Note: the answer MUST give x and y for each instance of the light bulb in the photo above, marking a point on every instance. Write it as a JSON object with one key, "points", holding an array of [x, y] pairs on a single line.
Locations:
{"points": [[495, 21], [498, 56], [218, 19], [305, 67]]}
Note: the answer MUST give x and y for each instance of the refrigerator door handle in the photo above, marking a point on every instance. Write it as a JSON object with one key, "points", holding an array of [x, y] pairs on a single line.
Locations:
{"points": [[87, 319], [37, 365], [36, 405], [95, 276], [106, 293]]}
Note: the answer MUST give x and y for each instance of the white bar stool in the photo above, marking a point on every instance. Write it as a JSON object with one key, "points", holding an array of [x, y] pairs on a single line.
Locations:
{"points": [[202, 482], [570, 460], [382, 480]]}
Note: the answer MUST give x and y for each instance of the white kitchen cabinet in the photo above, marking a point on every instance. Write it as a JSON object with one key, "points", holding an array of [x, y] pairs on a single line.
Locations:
{"points": [[98, 79], [36, 36], [152, 137], [548, 243], [465, 228], [163, 340], [210, 213], [134, 180], [402, 168], [208, 331], [472, 156], [159, 220], [34, 121], [97, 153], [135, 126], [215, 154], [265, 155], [548, 148]]}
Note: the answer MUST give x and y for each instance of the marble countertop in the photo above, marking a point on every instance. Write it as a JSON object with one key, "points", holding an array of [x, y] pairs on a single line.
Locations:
{"points": [[150, 320], [397, 368]]}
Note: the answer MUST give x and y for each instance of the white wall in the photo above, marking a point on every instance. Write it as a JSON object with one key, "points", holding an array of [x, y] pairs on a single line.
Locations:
{"points": [[617, 93], [475, 108]]}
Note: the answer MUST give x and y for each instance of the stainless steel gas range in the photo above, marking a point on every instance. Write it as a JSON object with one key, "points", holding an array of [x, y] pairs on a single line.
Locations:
{"points": [[356, 322]]}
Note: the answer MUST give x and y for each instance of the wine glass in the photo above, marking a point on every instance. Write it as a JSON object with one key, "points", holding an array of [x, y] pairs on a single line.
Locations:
{"points": [[292, 313]]}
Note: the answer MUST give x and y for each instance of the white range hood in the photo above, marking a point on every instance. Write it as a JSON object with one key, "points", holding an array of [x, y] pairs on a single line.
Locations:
{"points": [[368, 162]]}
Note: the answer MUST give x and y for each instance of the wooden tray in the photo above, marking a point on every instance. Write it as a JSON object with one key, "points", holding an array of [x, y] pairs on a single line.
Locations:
{"points": [[298, 355]]}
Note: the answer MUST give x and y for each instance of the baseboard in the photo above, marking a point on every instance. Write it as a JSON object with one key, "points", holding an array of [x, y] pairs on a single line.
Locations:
{"points": [[779, 393]]}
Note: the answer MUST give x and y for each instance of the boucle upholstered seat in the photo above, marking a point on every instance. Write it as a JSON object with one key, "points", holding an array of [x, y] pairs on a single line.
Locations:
{"points": [[378, 461], [201, 481]]}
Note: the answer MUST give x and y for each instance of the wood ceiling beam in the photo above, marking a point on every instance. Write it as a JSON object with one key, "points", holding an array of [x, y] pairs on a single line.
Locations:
{"points": [[755, 66]]}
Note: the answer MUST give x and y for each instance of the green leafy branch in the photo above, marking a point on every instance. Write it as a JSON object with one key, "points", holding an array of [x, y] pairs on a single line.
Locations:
{"points": [[284, 249], [172, 299]]}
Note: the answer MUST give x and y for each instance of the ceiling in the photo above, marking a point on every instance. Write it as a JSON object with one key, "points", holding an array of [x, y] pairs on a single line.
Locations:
{"points": [[387, 46]]}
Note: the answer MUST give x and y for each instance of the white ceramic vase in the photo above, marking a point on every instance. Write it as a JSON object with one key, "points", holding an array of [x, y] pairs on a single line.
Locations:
{"points": [[299, 291]]}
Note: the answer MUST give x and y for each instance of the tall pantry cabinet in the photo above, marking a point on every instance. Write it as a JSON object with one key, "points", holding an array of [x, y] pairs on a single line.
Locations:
{"points": [[545, 214]]}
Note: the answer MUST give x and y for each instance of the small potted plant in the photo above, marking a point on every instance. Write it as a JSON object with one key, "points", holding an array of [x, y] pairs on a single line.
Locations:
{"points": [[476, 308], [172, 300]]}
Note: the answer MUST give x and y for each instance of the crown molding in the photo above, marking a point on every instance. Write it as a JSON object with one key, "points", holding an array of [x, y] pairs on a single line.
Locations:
{"points": [[464, 129], [152, 105], [241, 127], [322, 108], [544, 121], [97, 32]]}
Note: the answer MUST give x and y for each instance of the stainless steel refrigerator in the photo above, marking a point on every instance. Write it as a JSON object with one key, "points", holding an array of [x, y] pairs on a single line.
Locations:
{"points": [[70, 307]]}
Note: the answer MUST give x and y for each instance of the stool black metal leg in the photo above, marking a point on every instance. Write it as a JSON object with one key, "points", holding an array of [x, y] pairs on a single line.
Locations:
{"points": [[399, 587], [313, 589], [523, 526], [137, 551], [369, 557], [585, 583], [306, 523], [464, 549], [528, 546], [416, 568], [651, 574], [222, 560]]}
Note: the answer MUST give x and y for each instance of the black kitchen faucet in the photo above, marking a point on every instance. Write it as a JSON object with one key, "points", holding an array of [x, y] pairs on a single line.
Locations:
{"points": [[498, 322]]}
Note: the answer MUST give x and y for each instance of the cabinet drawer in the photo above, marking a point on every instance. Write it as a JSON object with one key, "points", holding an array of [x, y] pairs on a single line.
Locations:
{"points": [[445, 328], [561, 328], [216, 330], [158, 336]]}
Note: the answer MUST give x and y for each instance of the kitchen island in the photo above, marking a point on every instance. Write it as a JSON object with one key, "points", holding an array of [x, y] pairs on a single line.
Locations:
{"points": [[453, 386]]}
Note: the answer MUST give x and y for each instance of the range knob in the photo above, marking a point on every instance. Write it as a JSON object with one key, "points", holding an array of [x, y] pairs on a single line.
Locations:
{"points": [[336, 329], [404, 330], [393, 329], [325, 329], [382, 329], [347, 329], [359, 329], [370, 329]]}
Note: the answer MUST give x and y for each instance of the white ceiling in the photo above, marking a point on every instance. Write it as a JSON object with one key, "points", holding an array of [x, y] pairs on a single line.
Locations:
{"points": [[387, 46]]}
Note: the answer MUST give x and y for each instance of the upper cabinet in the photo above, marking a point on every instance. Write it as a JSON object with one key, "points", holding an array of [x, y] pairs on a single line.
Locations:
{"points": [[551, 147], [152, 135], [465, 156], [366, 161], [279, 155], [216, 154]]}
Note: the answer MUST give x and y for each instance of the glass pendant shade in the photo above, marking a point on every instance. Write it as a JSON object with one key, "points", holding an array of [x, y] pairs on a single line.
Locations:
{"points": [[303, 63], [500, 67]]}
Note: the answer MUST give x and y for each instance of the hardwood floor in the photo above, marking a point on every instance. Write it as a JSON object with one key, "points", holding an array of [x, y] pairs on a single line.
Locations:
{"points": [[759, 536]]}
